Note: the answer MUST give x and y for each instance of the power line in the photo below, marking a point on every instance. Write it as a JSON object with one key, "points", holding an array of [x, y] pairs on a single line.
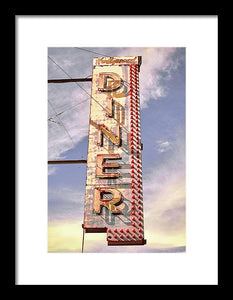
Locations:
{"points": [[71, 108], [85, 90], [60, 67], [61, 123], [51, 120], [91, 51], [95, 53], [68, 75]]}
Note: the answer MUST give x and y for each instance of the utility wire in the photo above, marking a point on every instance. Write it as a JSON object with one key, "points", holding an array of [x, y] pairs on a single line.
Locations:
{"points": [[71, 108], [95, 53], [91, 51], [61, 123], [84, 90]]}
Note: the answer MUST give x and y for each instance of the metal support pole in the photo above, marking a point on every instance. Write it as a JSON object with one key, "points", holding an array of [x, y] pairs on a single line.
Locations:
{"points": [[69, 80], [68, 161], [83, 240]]}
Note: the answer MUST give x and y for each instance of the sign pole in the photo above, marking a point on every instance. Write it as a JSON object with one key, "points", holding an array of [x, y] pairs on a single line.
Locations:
{"points": [[83, 240]]}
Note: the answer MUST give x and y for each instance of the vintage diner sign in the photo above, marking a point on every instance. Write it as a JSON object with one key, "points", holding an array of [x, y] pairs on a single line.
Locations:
{"points": [[114, 194]]}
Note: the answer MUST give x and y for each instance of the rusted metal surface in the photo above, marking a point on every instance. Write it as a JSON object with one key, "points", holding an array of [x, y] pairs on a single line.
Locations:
{"points": [[114, 197]]}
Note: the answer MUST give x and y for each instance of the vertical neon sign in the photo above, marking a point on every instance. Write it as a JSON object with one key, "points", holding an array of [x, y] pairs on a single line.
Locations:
{"points": [[114, 194]]}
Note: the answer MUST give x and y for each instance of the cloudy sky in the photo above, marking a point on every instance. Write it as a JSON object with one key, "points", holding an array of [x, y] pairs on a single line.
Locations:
{"points": [[162, 95]]}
